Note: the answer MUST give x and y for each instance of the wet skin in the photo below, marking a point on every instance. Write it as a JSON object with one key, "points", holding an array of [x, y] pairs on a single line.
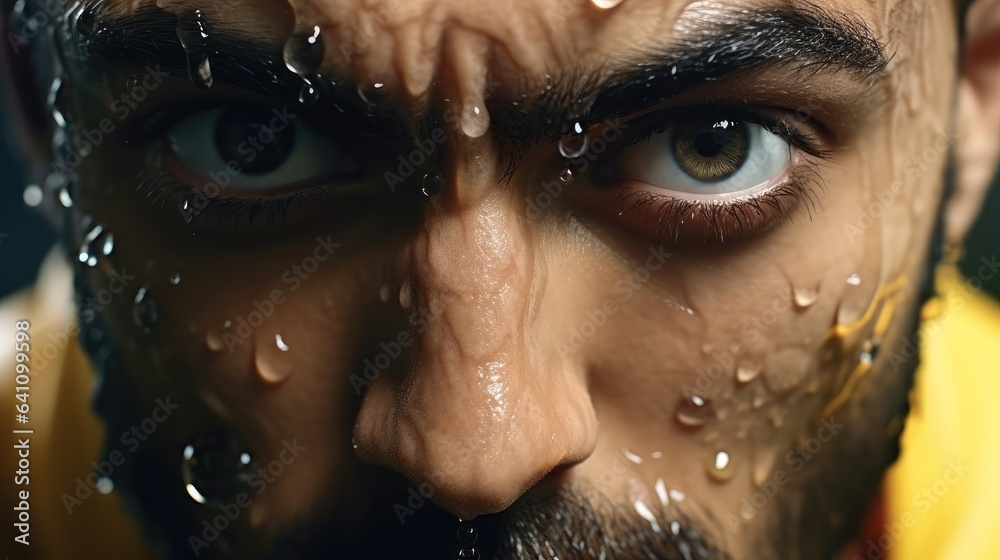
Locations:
{"points": [[666, 343]]}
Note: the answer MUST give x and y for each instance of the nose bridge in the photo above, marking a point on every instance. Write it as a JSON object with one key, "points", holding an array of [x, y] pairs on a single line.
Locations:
{"points": [[483, 412]]}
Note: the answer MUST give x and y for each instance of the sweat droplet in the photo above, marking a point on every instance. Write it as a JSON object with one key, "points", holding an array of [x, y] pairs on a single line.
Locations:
{"points": [[854, 280], [193, 35], [33, 195], [216, 469], [309, 94], [175, 279], [805, 297], [574, 144], [432, 184], [566, 176], [720, 467], [64, 198], [694, 411], [747, 372], [108, 246], [144, 310], [272, 360], [303, 51], [87, 255], [606, 4], [475, 121]]}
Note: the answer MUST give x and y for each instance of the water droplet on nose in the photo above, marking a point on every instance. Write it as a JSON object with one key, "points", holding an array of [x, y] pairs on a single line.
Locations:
{"points": [[854, 280], [475, 120], [748, 371], [304, 50], [272, 360], [145, 312], [175, 278], [574, 143], [432, 184], [606, 4], [694, 411], [33, 195], [804, 297], [720, 467], [193, 35], [566, 176], [65, 198], [216, 469]]}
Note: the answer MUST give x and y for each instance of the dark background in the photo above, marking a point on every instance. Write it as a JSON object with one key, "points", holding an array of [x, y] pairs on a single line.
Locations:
{"points": [[29, 237]]}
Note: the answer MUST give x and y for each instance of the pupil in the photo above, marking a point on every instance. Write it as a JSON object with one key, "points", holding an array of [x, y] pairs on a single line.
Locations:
{"points": [[244, 136], [709, 143]]}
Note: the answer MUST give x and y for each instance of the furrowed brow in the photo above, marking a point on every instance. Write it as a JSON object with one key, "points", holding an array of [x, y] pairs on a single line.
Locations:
{"points": [[801, 40]]}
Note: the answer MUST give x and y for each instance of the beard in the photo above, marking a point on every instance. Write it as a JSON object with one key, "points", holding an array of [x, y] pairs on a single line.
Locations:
{"points": [[812, 517]]}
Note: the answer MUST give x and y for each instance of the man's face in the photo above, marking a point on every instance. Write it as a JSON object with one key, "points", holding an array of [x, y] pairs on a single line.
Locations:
{"points": [[353, 247]]}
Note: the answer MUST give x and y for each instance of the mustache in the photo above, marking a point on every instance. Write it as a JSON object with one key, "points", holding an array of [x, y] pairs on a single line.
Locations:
{"points": [[574, 522]]}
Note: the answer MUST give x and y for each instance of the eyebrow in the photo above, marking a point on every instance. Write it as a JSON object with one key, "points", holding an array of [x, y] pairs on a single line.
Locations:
{"points": [[803, 39]]}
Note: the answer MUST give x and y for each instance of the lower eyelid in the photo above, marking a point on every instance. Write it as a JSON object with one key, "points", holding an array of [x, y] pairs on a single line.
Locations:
{"points": [[681, 218]]}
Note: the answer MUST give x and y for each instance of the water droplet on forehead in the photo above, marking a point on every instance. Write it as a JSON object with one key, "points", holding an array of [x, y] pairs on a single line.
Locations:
{"points": [[216, 469], [145, 311], [193, 35], [304, 50], [574, 143], [694, 411]]}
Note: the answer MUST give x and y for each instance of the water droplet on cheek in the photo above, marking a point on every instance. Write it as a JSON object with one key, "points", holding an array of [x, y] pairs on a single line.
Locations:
{"points": [[272, 359], [720, 467], [145, 311], [694, 411], [215, 469], [805, 297], [747, 372]]}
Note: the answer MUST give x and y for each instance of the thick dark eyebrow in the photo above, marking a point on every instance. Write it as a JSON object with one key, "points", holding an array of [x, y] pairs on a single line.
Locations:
{"points": [[803, 40], [148, 38]]}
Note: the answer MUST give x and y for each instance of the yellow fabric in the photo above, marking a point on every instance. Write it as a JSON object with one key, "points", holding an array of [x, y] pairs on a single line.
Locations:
{"points": [[944, 493]]}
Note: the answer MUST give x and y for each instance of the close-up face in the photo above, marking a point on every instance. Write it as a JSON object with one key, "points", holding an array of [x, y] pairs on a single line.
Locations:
{"points": [[603, 279]]}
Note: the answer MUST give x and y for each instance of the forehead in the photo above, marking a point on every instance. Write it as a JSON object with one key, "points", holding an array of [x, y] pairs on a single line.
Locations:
{"points": [[416, 46]]}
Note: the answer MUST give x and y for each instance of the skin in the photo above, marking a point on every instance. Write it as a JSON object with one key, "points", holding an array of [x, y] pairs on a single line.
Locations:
{"points": [[491, 401]]}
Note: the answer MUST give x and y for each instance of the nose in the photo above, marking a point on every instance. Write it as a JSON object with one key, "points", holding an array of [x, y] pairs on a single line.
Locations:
{"points": [[485, 408]]}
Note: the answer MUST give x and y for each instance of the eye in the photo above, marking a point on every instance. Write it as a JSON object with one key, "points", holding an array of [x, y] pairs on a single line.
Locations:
{"points": [[254, 149], [706, 156], [709, 174]]}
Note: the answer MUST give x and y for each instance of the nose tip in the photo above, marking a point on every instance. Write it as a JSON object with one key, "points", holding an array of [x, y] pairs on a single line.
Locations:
{"points": [[483, 410]]}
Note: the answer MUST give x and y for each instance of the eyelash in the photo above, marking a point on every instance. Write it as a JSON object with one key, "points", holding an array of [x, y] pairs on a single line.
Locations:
{"points": [[736, 218]]}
